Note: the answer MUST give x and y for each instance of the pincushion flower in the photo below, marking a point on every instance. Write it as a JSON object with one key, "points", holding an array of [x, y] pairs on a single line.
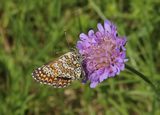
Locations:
{"points": [[103, 52]]}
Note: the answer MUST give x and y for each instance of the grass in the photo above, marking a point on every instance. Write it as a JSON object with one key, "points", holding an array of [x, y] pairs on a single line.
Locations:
{"points": [[33, 33]]}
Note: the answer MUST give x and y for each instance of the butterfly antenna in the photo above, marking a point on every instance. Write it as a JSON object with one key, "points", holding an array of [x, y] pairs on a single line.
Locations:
{"points": [[65, 34], [69, 46]]}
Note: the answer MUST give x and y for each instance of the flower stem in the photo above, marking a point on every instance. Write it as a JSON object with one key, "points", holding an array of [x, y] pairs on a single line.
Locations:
{"points": [[141, 76]]}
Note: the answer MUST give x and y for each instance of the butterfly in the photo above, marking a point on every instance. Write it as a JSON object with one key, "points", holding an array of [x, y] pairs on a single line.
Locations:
{"points": [[61, 72]]}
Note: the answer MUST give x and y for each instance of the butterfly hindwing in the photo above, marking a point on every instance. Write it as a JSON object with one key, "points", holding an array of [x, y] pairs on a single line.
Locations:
{"points": [[59, 73]]}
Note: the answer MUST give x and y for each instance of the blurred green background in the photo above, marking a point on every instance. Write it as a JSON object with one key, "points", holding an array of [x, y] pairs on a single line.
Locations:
{"points": [[32, 32]]}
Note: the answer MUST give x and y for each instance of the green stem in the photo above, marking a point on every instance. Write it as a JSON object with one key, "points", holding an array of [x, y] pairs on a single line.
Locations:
{"points": [[141, 76]]}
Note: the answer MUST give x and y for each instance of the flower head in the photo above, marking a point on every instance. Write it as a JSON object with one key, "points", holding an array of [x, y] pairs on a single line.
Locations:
{"points": [[103, 52]]}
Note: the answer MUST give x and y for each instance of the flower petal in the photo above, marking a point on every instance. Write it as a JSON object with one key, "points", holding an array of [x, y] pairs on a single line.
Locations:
{"points": [[90, 33], [100, 28], [103, 76], [83, 36], [93, 84], [79, 45], [107, 26]]}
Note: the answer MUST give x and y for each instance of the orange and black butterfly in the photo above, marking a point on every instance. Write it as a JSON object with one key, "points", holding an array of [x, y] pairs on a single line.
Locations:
{"points": [[61, 72]]}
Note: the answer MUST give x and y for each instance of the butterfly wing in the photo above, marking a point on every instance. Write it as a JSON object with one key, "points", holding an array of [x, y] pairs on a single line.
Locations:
{"points": [[59, 73]]}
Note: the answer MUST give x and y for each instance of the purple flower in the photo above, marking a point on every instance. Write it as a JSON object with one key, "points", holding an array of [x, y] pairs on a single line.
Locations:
{"points": [[103, 52]]}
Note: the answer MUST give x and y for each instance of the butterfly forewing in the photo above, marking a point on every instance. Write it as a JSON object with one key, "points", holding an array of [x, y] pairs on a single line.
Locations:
{"points": [[61, 72]]}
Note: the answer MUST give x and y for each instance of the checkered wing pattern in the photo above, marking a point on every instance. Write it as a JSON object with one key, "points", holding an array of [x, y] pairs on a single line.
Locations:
{"points": [[61, 72]]}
